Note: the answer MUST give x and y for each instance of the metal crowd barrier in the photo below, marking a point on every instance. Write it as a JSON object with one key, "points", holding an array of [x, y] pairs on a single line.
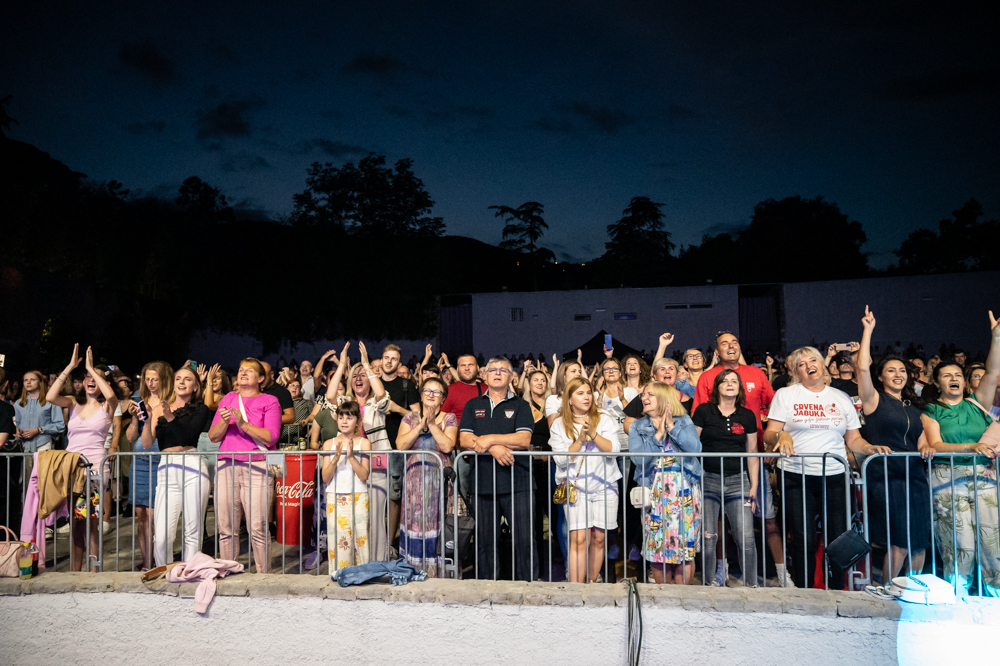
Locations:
{"points": [[472, 495], [976, 512], [16, 470], [303, 486]]}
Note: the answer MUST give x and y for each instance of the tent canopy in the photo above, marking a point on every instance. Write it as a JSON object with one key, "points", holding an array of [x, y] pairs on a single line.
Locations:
{"points": [[593, 349]]}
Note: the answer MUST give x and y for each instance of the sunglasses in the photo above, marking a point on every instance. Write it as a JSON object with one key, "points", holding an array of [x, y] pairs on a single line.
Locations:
{"points": [[613, 368]]}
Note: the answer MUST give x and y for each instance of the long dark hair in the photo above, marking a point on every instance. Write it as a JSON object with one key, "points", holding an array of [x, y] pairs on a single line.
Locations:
{"points": [[908, 393], [741, 398], [931, 393]]}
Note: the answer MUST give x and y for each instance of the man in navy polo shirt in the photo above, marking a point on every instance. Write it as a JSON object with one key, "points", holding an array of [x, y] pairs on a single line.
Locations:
{"points": [[493, 425]]}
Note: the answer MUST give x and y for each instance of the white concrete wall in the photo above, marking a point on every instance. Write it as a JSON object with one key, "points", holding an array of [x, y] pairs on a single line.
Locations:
{"points": [[927, 310], [112, 629], [549, 327]]}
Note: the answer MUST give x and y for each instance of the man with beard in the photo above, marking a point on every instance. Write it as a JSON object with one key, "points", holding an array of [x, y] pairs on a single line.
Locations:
{"points": [[758, 398]]}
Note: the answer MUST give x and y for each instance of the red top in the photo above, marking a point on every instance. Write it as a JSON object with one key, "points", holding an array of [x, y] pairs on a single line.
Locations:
{"points": [[460, 393], [758, 390]]}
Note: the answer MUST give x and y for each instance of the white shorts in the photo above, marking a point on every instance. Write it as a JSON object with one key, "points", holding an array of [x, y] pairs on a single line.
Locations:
{"points": [[591, 510]]}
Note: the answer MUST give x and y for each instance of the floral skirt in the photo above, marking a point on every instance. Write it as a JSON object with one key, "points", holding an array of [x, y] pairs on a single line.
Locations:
{"points": [[966, 524], [420, 520], [672, 523], [347, 518]]}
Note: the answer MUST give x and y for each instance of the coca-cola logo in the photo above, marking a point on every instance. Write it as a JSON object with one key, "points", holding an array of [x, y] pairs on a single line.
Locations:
{"points": [[294, 491]]}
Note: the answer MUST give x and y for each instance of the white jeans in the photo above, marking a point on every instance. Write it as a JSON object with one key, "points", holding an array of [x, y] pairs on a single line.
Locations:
{"points": [[182, 482]]}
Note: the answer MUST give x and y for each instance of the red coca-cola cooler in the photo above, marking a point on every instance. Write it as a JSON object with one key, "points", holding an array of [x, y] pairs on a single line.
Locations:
{"points": [[295, 492]]}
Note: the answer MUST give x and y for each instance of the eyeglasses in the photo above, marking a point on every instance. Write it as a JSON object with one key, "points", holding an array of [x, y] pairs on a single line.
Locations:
{"points": [[431, 393], [612, 368], [693, 357], [501, 371]]}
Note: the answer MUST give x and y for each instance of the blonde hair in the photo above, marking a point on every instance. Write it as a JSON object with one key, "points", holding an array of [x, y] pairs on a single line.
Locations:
{"points": [[43, 387], [166, 376], [660, 362], [350, 385], [667, 399], [797, 355], [566, 411]]}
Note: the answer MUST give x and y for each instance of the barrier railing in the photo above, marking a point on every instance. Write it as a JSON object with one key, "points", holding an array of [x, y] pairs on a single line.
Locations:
{"points": [[961, 524], [16, 473], [803, 540], [185, 486]]}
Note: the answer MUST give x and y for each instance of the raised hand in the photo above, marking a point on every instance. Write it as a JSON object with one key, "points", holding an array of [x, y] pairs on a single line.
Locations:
{"points": [[666, 339], [853, 346], [769, 360], [868, 321], [579, 356], [831, 351], [429, 349], [343, 354], [213, 372], [608, 353], [993, 324], [89, 363], [364, 353], [555, 361], [202, 373], [75, 359]]}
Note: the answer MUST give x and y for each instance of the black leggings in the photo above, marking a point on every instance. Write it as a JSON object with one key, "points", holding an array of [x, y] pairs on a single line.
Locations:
{"points": [[835, 521]]}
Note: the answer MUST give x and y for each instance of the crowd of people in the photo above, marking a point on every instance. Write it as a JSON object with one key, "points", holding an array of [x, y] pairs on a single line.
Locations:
{"points": [[674, 467]]}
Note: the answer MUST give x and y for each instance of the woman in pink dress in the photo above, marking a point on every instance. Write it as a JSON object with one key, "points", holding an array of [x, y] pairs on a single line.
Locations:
{"points": [[91, 411]]}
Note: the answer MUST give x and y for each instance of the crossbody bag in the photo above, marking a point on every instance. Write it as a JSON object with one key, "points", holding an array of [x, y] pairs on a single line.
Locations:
{"points": [[275, 461]]}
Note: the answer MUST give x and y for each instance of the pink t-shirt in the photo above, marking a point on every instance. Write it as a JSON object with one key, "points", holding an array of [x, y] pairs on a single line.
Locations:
{"points": [[262, 410]]}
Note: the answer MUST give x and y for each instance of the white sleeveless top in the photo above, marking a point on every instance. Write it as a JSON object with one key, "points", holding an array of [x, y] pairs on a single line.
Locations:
{"points": [[344, 477]]}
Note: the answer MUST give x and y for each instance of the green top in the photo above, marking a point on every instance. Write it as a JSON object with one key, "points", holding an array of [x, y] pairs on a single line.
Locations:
{"points": [[963, 423], [327, 425]]}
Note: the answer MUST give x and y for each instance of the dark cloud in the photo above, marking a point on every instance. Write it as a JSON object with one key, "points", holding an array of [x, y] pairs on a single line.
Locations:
{"points": [[554, 125], [148, 127], [228, 119], [943, 83], [603, 118], [376, 66], [146, 60], [248, 210], [331, 148], [243, 161], [725, 228]]}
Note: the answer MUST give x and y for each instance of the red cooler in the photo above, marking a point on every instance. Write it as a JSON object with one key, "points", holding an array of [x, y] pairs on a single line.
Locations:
{"points": [[295, 493]]}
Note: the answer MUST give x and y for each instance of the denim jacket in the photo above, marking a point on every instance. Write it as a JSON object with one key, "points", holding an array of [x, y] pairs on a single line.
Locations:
{"points": [[642, 439]]}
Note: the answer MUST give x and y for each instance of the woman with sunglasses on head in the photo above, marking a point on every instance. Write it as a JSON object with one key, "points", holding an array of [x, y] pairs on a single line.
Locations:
{"points": [[428, 429]]}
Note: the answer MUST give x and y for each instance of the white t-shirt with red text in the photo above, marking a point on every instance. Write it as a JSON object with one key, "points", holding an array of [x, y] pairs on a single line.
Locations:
{"points": [[817, 423]]}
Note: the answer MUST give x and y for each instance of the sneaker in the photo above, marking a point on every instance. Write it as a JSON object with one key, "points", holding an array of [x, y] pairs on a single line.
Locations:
{"points": [[48, 532], [784, 579], [312, 559], [63, 530], [105, 527], [721, 574]]}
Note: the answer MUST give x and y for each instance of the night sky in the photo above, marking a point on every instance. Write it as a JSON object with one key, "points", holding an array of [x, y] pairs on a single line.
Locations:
{"points": [[888, 109]]}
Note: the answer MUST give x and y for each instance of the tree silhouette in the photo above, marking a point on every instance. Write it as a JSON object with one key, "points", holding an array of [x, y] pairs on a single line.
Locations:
{"points": [[5, 120], [525, 225], [202, 202], [960, 244], [638, 252], [368, 200]]}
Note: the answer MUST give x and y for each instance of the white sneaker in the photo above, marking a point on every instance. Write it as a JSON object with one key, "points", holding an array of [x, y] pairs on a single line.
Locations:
{"points": [[105, 527], [63, 530], [784, 578], [48, 532]]}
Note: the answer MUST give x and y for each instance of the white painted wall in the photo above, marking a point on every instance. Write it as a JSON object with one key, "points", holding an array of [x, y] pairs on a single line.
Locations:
{"points": [[130, 629], [549, 327]]}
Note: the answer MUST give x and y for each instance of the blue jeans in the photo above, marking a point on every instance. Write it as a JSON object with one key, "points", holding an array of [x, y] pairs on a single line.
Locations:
{"points": [[737, 499]]}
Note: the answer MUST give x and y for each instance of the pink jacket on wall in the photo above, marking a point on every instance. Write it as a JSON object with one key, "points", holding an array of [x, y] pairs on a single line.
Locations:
{"points": [[205, 569]]}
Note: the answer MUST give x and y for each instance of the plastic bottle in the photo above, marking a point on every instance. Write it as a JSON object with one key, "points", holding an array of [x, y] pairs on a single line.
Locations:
{"points": [[34, 558], [24, 562]]}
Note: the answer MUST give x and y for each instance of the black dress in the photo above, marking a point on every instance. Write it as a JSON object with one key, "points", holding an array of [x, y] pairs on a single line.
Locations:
{"points": [[897, 425]]}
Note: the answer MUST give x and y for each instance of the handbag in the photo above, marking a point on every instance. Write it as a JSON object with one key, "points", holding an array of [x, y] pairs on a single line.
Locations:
{"points": [[9, 552], [846, 549], [565, 492], [924, 589], [275, 461]]}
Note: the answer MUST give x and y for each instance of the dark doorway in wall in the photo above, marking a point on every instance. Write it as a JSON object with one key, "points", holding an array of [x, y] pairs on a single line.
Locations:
{"points": [[455, 328], [760, 320]]}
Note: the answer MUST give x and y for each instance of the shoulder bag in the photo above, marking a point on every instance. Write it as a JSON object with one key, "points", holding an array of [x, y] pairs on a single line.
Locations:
{"points": [[275, 461], [9, 552]]}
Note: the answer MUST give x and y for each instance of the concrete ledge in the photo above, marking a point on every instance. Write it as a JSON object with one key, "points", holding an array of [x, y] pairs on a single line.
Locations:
{"points": [[696, 598]]}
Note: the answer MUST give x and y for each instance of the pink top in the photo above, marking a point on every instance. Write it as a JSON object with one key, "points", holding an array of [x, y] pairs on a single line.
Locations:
{"points": [[87, 435], [262, 410]]}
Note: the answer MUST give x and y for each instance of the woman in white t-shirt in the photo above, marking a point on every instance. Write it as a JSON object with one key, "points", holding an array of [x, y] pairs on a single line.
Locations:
{"points": [[582, 427], [809, 417], [563, 374]]}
